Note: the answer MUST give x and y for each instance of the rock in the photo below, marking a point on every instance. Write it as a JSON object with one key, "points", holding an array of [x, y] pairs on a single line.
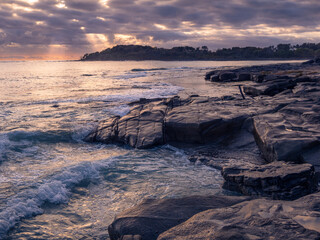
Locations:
{"points": [[291, 134], [192, 120], [255, 219], [215, 78], [312, 61], [209, 74], [259, 78], [244, 77], [277, 180], [308, 62], [227, 76], [152, 217], [141, 128], [269, 88], [207, 120]]}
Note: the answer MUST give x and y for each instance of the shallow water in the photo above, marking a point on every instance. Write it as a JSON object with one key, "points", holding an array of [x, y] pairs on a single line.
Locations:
{"points": [[55, 186]]}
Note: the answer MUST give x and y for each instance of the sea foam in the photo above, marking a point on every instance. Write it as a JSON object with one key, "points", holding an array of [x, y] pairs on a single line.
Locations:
{"points": [[55, 190]]}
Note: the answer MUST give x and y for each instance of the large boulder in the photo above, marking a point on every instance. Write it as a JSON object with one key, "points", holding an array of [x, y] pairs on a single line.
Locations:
{"points": [[141, 128], [255, 219], [152, 217], [277, 180]]}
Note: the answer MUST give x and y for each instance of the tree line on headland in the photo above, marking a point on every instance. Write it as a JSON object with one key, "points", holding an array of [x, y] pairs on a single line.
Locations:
{"points": [[138, 52]]}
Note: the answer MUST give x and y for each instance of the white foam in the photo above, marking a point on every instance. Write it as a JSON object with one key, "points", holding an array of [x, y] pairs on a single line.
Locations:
{"points": [[119, 110], [81, 131], [55, 190], [156, 90]]}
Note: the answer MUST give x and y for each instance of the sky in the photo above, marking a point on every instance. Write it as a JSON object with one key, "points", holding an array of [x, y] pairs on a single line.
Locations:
{"points": [[67, 29]]}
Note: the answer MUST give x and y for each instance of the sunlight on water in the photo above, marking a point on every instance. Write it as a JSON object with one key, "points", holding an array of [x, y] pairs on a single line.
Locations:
{"points": [[55, 186]]}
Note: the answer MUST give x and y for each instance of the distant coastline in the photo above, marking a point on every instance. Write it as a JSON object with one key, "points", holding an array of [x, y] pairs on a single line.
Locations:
{"points": [[186, 53]]}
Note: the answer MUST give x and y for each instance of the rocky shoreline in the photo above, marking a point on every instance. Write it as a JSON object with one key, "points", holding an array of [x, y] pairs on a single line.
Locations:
{"points": [[265, 140]]}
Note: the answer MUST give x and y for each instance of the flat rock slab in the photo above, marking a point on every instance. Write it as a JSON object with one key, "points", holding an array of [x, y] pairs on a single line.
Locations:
{"points": [[277, 180], [152, 217], [291, 134], [255, 219]]}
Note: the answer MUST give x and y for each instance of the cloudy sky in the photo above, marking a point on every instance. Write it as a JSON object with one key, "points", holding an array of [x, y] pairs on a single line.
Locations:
{"points": [[66, 29]]}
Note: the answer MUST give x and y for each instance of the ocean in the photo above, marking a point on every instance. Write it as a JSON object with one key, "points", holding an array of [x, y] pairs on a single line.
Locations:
{"points": [[55, 186]]}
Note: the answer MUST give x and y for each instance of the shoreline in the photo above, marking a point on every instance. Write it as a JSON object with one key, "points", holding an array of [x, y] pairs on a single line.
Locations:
{"points": [[266, 146]]}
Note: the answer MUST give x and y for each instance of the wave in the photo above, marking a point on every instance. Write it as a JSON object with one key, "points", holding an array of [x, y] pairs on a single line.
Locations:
{"points": [[48, 137], [4, 143], [154, 90], [130, 76], [56, 190]]}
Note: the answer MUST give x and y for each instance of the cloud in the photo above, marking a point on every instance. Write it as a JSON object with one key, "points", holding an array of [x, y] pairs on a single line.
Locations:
{"points": [[74, 24]]}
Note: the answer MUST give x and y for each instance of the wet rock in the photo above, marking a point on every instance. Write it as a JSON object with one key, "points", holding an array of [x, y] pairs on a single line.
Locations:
{"points": [[255, 219], [152, 217], [141, 128], [277, 180]]}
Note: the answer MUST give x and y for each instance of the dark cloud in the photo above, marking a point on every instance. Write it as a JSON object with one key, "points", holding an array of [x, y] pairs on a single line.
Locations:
{"points": [[216, 23]]}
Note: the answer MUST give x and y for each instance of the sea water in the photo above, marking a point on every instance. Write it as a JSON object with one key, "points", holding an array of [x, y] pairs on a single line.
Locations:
{"points": [[55, 186]]}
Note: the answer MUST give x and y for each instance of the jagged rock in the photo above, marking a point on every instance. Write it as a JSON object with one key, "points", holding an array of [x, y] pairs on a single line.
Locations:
{"points": [[209, 74], [278, 180], [244, 77], [152, 217], [141, 128], [291, 134], [227, 76], [255, 219]]}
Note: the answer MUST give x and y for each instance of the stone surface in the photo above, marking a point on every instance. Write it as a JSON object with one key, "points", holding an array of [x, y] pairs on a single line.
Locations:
{"points": [[282, 121], [141, 128], [277, 180], [291, 134], [152, 217], [269, 88], [215, 78], [209, 74], [193, 120], [227, 76], [244, 77], [255, 219]]}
